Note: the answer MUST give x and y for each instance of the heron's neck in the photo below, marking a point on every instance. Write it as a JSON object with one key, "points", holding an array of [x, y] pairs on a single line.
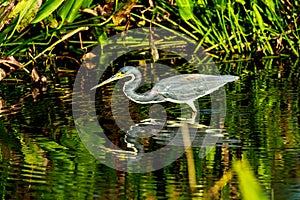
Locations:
{"points": [[130, 87]]}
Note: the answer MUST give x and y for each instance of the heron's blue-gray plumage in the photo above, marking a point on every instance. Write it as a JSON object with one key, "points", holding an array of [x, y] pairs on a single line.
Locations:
{"points": [[184, 88], [187, 87]]}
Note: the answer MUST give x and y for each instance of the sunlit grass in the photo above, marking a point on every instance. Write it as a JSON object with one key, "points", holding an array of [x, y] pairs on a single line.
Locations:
{"points": [[222, 27], [239, 27]]}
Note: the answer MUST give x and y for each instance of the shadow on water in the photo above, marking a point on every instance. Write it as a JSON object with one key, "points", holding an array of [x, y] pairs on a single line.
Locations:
{"points": [[43, 157]]}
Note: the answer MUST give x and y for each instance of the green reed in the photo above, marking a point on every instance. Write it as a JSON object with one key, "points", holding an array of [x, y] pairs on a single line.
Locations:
{"points": [[223, 27], [268, 26]]}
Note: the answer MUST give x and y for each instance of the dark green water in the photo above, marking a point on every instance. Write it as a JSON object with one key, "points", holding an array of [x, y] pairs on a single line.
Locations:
{"points": [[42, 156]]}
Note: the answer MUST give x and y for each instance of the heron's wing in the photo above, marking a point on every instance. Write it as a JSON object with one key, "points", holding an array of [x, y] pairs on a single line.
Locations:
{"points": [[189, 86], [183, 78]]}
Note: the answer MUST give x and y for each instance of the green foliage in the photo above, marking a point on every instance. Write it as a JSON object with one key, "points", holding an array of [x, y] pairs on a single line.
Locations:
{"points": [[47, 9], [240, 27], [186, 8], [25, 11], [65, 9], [223, 27], [74, 11], [262, 27]]}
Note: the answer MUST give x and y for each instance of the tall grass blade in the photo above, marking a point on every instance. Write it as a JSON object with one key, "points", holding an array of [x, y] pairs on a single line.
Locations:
{"points": [[262, 27]]}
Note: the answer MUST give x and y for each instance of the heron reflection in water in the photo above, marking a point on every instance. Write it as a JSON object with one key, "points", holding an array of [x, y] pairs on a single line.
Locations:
{"points": [[184, 88]]}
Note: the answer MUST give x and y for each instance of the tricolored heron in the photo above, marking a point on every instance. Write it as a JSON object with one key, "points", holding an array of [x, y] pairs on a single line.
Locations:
{"points": [[184, 88]]}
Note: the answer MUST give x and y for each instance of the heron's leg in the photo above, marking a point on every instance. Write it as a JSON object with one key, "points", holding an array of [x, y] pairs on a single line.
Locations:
{"points": [[194, 113]]}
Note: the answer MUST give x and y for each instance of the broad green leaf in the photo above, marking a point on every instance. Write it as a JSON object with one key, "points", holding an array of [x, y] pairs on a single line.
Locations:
{"points": [[65, 9], [47, 9], [74, 11], [26, 11], [86, 3], [29, 15], [186, 8]]}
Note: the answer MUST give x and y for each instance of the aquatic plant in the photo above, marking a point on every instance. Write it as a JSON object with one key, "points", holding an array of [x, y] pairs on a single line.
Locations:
{"points": [[35, 28]]}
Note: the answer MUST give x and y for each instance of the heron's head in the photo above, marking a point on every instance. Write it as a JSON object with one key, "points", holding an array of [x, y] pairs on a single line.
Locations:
{"points": [[122, 73]]}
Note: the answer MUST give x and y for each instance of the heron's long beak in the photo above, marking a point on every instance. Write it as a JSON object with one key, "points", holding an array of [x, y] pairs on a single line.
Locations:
{"points": [[113, 78]]}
